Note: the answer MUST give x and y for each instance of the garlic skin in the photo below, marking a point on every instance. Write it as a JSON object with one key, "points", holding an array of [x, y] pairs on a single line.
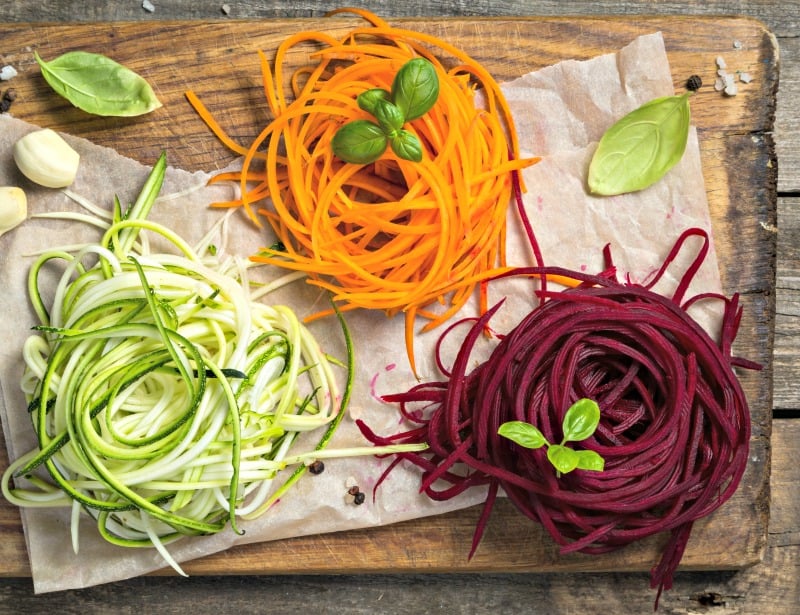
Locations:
{"points": [[13, 207], [46, 159]]}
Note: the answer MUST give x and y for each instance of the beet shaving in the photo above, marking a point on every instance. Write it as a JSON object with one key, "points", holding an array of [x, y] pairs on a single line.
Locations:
{"points": [[674, 428]]}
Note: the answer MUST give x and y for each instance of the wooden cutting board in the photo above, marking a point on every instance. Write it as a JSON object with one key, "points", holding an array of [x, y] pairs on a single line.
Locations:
{"points": [[219, 61]]}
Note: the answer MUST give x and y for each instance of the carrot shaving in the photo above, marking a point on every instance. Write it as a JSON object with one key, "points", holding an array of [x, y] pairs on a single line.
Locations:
{"points": [[394, 235], [213, 125]]}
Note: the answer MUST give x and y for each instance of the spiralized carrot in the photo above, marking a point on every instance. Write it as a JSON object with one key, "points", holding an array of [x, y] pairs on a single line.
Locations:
{"points": [[394, 235]]}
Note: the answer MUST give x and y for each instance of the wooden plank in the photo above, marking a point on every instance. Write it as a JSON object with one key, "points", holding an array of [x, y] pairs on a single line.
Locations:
{"points": [[787, 311], [219, 62], [771, 586], [783, 17], [787, 128]]}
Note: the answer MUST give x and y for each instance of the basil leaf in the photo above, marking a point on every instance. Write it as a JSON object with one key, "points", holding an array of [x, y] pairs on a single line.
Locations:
{"points": [[407, 146], [99, 85], [641, 147], [415, 88], [563, 458], [359, 142], [523, 434], [389, 117], [590, 460], [580, 420], [368, 99]]}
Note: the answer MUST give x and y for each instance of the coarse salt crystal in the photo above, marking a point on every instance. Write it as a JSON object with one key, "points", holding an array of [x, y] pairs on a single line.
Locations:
{"points": [[721, 62], [731, 90], [148, 6], [745, 77], [7, 72]]}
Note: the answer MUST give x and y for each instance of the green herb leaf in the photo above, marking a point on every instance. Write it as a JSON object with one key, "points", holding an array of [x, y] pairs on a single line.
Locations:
{"points": [[415, 88], [581, 420], [278, 246], [523, 434], [359, 142], [367, 100], [407, 146], [563, 458], [590, 460], [414, 91], [389, 117], [99, 85], [641, 147]]}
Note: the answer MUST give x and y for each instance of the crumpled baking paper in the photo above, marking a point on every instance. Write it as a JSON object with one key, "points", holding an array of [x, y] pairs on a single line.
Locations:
{"points": [[561, 112]]}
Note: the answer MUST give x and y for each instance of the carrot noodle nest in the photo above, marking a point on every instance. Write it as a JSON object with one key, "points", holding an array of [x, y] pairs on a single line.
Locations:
{"points": [[674, 428], [394, 235]]}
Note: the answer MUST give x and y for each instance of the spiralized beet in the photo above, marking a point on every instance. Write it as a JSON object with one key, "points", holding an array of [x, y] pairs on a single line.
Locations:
{"points": [[674, 428]]}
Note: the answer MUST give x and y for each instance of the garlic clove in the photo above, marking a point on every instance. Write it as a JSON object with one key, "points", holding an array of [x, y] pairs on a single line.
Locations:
{"points": [[13, 207], [46, 159]]}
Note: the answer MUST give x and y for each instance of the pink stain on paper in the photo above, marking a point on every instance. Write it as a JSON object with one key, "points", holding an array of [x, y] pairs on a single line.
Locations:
{"points": [[373, 383]]}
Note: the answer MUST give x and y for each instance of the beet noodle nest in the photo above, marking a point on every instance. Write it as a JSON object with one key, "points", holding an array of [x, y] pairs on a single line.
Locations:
{"points": [[674, 423]]}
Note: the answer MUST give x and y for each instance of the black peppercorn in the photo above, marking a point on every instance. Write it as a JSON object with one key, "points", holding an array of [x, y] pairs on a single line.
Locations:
{"points": [[359, 498], [354, 490], [693, 83], [317, 467], [9, 96]]}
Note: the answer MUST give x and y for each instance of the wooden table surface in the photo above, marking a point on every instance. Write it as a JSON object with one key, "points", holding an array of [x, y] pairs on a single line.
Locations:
{"points": [[770, 586]]}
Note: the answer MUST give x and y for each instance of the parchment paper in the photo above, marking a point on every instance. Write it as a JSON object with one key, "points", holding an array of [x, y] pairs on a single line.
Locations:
{"points": [[561, 113]]}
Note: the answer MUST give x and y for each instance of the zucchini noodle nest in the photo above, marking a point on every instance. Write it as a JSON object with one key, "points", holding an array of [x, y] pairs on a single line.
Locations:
{"points": [[164, 397]]}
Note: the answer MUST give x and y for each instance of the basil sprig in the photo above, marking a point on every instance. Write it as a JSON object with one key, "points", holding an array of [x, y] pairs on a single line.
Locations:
{"points": [[415, 89], [641, 147], [99, 85], [580, 422]]}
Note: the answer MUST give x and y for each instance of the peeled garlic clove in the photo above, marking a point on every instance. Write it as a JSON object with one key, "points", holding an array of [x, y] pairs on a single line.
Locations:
{"points": [[46, 159], [13, 207]]}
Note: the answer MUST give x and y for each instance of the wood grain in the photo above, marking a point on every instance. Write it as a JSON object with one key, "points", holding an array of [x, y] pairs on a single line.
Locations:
{"points": [[787, 128], [218, 61], [787, 313], [785, 14]]}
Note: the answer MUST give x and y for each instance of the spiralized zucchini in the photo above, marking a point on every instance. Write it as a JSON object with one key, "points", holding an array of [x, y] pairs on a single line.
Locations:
{"points": [[164, 396]]}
